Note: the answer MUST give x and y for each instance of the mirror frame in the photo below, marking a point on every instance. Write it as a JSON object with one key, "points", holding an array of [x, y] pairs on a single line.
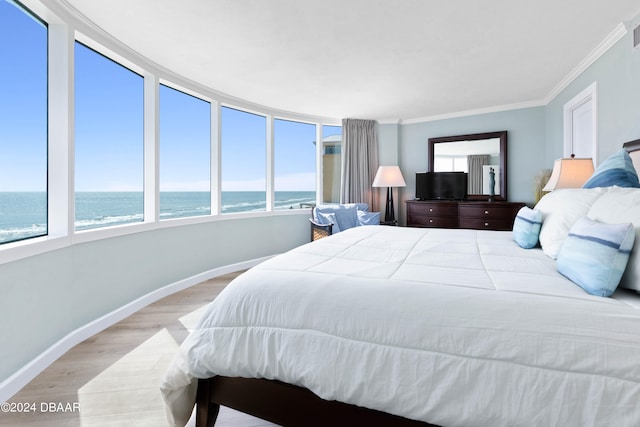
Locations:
{"points": [[502, 135]]}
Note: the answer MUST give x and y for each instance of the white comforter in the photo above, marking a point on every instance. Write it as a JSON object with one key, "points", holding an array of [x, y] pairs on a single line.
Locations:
{"points": [[453, 327]]}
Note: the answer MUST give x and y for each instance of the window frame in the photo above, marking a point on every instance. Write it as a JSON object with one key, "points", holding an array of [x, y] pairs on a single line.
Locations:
{"points": [[266, 143], [63, 30], [317, 160], [159, 150], [142, 146], [36, 17]]}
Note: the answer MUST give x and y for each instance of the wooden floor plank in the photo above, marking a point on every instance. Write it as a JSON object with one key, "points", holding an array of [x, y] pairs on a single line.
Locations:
{"points": [[113, 377]]}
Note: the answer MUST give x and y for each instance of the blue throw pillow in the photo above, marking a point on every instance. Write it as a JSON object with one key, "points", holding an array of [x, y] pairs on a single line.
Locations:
{"points": [[346, 216], [328, 218], [359, 206], [616, 170], [526, 227], [368, 218], [595, 255]]}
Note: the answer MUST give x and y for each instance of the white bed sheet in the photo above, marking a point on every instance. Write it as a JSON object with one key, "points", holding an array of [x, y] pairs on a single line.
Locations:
{"points": [[452, 327]]}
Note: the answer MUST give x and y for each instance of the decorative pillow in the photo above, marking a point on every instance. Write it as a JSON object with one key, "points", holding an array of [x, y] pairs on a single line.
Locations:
{"points": [[595, 255], [526, 227], [359, 206], [560, 210], [346, 215], [329, 218], [616, 170], [368, 218], [621, 205]]}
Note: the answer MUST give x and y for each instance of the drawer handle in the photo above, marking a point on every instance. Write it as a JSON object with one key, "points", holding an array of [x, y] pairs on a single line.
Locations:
{"points": [[431, 220], [486, 212], [430, 209], [486, 224]]}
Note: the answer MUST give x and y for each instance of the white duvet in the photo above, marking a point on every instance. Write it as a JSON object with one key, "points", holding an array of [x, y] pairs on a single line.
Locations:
{"points": [[452, 327]]}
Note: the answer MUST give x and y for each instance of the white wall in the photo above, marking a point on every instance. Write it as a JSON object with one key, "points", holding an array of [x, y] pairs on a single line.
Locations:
{"points": [[617, 73], [47, 296], [534, 134], [525, 152]]}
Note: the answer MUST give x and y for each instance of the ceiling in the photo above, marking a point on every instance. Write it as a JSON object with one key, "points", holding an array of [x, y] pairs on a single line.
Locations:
{"points": [[373, 59]]}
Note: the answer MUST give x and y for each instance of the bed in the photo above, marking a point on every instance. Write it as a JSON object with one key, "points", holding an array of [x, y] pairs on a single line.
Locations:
{"points": [[383, 325]]}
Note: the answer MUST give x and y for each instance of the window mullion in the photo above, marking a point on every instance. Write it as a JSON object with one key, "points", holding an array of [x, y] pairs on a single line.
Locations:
{"points": [[151, 148], [270, 165], [60, 156], [216, 170], [319, 165]]}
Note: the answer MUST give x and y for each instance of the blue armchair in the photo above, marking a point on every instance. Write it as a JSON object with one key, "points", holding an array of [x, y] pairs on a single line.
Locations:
{"points": [[330, 219]]}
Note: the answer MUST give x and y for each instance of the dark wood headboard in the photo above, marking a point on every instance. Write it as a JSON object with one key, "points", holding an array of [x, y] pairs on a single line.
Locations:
{"points": [[632, 146]]}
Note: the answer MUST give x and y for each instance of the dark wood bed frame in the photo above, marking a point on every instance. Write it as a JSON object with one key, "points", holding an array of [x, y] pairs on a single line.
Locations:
{"points": [[285, 405], [289, 405]]}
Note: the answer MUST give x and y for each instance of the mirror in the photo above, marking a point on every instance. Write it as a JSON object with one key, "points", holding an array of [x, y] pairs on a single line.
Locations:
{"points": [[479, 155]]}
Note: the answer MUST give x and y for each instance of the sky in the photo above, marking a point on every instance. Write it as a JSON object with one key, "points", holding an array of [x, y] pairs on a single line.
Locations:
{"points": [[109, 128], [23, 101]]}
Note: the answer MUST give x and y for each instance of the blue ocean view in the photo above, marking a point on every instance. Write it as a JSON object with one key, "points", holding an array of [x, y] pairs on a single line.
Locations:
{"points": [[24, 214]]}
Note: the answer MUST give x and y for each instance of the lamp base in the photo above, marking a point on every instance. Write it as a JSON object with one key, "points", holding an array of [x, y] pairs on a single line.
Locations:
{"points": [[389, 214]]}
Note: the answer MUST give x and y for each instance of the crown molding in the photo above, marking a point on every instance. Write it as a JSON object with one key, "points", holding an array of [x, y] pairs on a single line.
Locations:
{"points": [[104, 41], [618, 33], [91, 34], [475, 112]]}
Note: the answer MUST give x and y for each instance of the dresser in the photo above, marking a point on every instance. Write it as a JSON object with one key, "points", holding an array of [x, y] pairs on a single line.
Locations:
{"points": [[476, 215]]}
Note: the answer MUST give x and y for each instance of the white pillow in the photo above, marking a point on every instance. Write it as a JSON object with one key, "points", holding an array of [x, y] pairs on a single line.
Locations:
{"points": [[560, 210], [620, 205]]}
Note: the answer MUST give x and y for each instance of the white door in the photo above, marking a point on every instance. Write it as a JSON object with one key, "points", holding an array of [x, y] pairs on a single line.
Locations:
{"points": [[582, 130], [580, 125]]}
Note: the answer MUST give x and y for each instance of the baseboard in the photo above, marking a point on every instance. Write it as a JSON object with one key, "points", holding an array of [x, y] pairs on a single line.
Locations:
{"points": [[22, 377]]}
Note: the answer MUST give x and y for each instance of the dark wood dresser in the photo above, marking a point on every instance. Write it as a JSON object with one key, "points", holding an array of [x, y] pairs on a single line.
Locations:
{"points": [[478, 215]]}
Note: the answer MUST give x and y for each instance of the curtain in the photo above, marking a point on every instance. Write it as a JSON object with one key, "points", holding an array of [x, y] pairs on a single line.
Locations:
{"points": [[359, 162], [475, 164]]}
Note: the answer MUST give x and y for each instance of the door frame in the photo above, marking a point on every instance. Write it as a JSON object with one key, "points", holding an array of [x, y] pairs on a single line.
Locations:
{"points": [[589, 94]]}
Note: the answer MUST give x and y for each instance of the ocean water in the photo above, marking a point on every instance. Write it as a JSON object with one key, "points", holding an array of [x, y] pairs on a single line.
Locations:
{"points": [[24, 214]]}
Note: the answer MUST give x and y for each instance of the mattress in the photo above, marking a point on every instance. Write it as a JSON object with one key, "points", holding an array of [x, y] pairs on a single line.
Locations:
{"points": [[452, 327]]}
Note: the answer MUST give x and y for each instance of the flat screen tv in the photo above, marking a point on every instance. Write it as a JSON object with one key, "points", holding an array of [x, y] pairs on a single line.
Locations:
{"points": [[441, 186]]}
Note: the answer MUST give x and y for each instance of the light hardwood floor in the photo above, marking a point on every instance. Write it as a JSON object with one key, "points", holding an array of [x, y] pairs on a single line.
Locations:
{"points": [[113, 377]]}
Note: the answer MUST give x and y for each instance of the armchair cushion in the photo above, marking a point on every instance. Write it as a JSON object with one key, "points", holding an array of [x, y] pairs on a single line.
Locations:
{"points": [[346, 215], [368, 218], [328, 218], [331, 219], [359, 206]]}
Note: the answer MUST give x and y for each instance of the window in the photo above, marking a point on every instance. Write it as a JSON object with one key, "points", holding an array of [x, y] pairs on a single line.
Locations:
{"points": [[244, 159], [23, 124], [331, 163], [450, 163], [185, 153], [294, 164], [109, 141]]}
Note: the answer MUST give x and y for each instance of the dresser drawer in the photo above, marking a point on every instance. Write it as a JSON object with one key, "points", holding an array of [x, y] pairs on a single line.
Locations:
{"points": [[433, 221], [488, 211], [478, 215], [486, 224], [433, 209]]}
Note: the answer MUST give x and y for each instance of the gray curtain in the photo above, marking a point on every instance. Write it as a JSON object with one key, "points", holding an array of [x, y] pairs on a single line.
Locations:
{"points": [[475, 164], [359, 162]]}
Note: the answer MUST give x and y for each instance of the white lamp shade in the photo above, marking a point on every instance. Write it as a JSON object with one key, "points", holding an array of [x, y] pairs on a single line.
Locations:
{"points": [[388, 176], [569, 173]]}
